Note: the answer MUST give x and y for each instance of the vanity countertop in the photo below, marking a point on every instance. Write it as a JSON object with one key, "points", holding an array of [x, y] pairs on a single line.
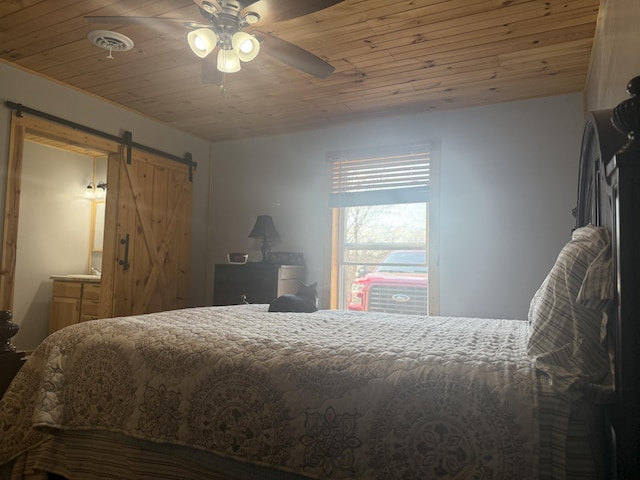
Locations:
{"points": [[76, 278]]}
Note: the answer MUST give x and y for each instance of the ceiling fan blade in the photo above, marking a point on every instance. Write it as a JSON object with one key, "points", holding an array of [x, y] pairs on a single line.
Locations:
{"points": [[149, 21], [272, 11], [210, 74], [294, 56]]}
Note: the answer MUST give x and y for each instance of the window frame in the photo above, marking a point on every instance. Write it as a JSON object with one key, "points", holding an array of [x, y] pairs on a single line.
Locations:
{"points": [[433, 248]]}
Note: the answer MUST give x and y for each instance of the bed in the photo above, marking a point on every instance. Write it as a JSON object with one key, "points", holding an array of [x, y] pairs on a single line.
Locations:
{"points": [[236, 392]]}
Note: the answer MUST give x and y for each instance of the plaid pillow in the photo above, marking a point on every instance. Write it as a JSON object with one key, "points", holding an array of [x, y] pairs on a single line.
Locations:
{"points": [[565, 335], [596, 291]]}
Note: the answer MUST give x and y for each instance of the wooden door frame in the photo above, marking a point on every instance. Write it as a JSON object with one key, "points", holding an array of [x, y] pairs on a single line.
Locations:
{"points": [[61, 135]]}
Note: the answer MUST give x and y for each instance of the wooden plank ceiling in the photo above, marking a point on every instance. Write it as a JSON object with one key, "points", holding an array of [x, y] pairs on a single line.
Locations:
{"points": [[390, 57]]}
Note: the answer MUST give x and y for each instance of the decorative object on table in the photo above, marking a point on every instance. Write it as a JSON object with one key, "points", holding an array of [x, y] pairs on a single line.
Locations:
{"points": [[266, 230], [8, 329], [237, 258], [10, 360], [304, 301], [287, 258]]}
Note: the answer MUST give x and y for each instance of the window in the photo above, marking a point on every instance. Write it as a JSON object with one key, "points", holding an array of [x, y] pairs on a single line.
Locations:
{"points": [[380, 248]]}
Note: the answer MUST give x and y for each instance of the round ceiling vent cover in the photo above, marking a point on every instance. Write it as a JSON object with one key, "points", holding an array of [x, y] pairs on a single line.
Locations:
{"points": [[112, 41]]}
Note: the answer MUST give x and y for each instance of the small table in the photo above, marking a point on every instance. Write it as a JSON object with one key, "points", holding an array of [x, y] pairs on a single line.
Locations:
{"points": [[10, 360]]}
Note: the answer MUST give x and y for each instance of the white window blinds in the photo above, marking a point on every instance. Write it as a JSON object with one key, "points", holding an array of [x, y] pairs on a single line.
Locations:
{"points": [[380, 176]]}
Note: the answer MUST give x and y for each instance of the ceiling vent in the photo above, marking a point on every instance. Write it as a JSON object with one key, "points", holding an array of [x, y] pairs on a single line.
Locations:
{"points": [[112, 41]]}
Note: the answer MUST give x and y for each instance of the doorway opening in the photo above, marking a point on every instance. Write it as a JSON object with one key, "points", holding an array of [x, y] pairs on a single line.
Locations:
{"points": [[40, 187]]}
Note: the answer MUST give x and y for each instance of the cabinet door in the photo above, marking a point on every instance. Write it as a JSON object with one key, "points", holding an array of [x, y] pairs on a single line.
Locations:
{"points": [[65, 311], [146, 255], [290, 279], [89, 307]]}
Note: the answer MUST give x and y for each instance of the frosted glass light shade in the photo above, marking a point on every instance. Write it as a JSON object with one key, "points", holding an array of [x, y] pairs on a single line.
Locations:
{"points": [[245, 45], [202, 41], [90, 191], [228, 61]]}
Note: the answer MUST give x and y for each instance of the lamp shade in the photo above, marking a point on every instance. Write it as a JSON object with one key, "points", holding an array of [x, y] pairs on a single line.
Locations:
{"points": [[101, 189], [202, 41], [90, 191], [245, 45], [264, 228], [228, 61]]}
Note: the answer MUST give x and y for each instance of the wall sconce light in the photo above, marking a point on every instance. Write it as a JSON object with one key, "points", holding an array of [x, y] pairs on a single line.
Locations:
{"points": [[90, 191], [266, 230], [95, 191], [101, 189]]}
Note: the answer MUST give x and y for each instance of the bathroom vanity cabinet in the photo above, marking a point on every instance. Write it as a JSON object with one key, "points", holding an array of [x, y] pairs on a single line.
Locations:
{"points": [[74, 299]]}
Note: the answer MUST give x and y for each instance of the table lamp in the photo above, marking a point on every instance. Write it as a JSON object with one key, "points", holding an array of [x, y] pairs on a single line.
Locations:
{"points": [[266, 230]]}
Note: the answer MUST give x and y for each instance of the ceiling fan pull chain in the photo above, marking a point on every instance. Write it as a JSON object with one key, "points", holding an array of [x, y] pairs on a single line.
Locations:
{"points": [[223, 90], [110, 57]]}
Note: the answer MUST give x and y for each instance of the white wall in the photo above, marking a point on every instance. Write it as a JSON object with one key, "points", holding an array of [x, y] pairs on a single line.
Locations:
{"points": [[508, 185], [35, 92], [53, 233]]}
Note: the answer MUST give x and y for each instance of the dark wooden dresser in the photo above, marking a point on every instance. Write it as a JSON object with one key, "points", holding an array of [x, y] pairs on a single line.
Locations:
{"points": [[255, 282]]}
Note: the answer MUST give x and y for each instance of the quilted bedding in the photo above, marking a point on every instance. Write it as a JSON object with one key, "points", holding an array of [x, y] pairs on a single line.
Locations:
{"points": [[332, 394]]}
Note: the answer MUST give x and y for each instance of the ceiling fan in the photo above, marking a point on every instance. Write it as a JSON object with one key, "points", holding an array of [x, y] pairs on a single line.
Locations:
{"points": [[224, 30]]}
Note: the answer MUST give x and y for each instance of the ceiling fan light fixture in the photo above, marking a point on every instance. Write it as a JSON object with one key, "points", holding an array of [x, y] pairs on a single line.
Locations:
{"points": [[251, 18], [228, 61], [245, 45], [209, 7], [202, 41]]}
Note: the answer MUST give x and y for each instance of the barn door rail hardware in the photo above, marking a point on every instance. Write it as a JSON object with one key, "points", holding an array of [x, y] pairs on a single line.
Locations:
{"points": [[126, 140]]}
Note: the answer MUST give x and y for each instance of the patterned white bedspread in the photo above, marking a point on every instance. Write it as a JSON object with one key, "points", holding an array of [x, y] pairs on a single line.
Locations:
{"points": [[332, 394]]}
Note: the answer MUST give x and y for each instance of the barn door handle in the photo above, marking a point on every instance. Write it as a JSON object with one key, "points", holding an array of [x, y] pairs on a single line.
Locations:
{"points": [[125, 263]]}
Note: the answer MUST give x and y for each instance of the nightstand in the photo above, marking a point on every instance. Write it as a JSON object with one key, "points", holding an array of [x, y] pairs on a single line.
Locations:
{"points": [[11, 360], [257, 282]]}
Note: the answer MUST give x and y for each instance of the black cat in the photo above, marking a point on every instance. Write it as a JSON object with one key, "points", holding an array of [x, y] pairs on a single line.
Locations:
{"points": [[305, 301]]}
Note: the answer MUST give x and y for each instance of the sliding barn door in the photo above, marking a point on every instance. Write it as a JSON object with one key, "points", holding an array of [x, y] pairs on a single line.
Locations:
{"points": [[148, 233]]}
